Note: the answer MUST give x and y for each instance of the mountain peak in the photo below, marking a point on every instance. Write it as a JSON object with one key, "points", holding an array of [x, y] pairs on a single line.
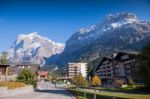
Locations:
{"points": [[117, 20], [112, 21], [120, 16], [33, 48], [121, 31], [34, 34]]}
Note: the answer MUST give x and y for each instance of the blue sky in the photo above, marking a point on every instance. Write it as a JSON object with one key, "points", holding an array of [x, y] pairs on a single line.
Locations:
{"points": [[59, 19]]}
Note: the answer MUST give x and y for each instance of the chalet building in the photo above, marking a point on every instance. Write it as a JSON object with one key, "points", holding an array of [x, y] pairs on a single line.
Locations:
{"points": [[117, 67], [105, 69], [31, 67], [42, 75], [77, 69], [12, 71], [3, 72]]}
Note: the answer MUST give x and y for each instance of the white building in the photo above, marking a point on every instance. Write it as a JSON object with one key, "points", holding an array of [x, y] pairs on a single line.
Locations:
{"points": [[77, 69]]}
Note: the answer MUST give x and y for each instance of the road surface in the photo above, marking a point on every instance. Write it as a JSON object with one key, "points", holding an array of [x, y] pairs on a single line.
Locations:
{"points": [[51, 92]]}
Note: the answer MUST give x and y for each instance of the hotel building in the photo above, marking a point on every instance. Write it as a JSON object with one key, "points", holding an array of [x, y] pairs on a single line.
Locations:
{"points": [[77, 69], [117, 67]]}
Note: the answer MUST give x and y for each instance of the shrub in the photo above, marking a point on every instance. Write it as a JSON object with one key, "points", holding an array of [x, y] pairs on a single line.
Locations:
{"points": [[118, 83], [130, 82], [27, 77]]}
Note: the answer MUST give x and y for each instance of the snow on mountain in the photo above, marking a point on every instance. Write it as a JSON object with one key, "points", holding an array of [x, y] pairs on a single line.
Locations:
{"points": [[86, 30], [110, 23], [32, 48], [120, 31]]}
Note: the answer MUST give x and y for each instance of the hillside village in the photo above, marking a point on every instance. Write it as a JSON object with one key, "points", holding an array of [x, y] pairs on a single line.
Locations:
{"points": [[119, 70]]}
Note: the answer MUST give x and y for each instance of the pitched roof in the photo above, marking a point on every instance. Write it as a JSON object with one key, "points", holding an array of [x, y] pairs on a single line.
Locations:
{"points": [[103, 59], [4, 65], [118, 54], [42, 73]]}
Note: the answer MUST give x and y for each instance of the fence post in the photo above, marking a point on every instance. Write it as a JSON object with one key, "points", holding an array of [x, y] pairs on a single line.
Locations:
{"points": [[95, 94]]}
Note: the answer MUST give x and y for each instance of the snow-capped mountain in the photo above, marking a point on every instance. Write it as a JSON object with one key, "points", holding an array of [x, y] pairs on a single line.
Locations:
{"points": [[110, 25], [32, 48], [121, 31]]}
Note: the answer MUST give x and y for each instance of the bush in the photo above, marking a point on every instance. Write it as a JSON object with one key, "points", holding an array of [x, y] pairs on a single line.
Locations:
{"points": [[130, 83], [27, 77], [118, 83]]}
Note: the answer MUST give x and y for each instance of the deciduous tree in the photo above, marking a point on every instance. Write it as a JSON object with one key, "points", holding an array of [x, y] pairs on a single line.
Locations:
{"points": [[96, 81], [78, 80], [4, 59]]}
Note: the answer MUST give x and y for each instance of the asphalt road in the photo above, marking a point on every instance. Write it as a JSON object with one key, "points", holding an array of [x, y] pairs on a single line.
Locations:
{"points": [[51, 92]]}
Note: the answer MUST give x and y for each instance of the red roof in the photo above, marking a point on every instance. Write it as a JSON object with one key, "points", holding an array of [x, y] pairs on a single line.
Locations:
{"points": [[42, 73]]}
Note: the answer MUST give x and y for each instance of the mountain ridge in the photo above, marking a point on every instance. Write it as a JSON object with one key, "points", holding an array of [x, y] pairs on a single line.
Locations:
{"points": [[121, 31]]}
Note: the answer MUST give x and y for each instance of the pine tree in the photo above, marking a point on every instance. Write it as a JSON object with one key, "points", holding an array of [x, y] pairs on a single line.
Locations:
{"points": [[143, 65]]}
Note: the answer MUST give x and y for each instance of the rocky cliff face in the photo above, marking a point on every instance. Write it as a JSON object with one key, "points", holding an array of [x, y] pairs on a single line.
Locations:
{"points": [[33, 48], [121, 31]]}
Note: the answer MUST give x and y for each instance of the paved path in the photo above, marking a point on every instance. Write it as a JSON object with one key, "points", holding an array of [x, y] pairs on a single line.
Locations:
{"points": [[50, 93]]}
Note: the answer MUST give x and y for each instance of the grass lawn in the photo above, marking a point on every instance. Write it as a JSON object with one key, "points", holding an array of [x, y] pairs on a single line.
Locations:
{"points": [[128, 89], [12, 85], [110, 95]]}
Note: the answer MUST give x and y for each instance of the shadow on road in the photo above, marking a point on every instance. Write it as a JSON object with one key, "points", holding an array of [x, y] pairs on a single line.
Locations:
{"points": [[55, 91]]}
